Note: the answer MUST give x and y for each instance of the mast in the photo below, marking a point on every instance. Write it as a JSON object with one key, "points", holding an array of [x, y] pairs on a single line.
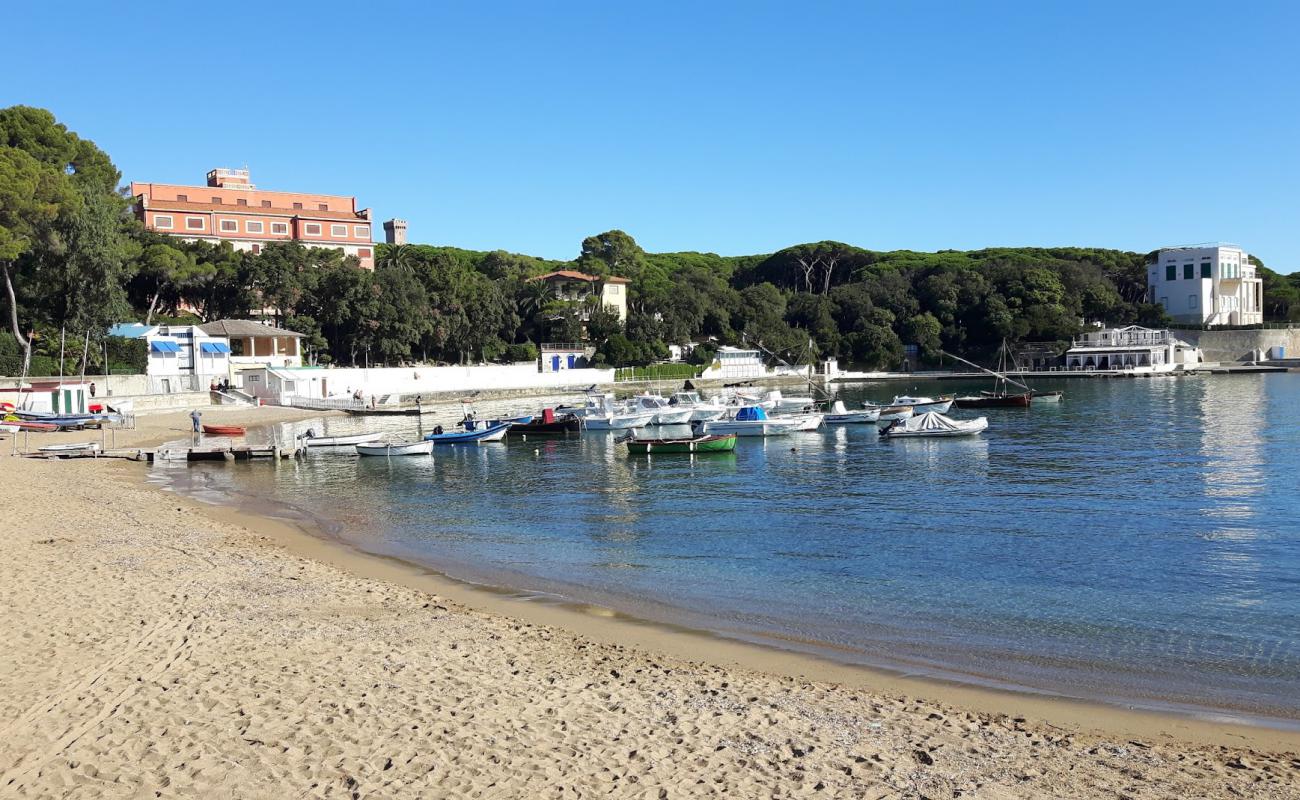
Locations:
{"points": [[812, 385], [989, 371]]}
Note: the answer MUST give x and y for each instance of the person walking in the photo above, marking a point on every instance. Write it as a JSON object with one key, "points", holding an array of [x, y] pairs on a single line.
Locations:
{"points": [[196, 419]]}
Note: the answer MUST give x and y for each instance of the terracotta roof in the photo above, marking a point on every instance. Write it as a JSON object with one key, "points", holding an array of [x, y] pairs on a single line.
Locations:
{"points": [[579, 276], [243, 327], [305, 213]]}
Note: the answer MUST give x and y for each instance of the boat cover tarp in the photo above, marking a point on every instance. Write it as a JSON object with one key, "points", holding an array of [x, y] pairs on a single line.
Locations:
{"points": [[751, 414], [933, 421]]}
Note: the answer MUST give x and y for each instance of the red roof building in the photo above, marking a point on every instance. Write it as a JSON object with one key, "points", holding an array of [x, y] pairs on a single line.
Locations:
{"points": [[231, 209]]}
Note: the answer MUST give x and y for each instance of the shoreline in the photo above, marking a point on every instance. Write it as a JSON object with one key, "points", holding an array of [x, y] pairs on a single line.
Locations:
{"points": [[161, 643]]}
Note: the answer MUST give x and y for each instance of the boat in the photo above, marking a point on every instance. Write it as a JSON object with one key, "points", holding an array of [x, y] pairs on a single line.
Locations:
{"points": [[920, 405], [602, 413], [224, 430], [801, 422], [399, 411], [1046, 397], [934, 424], [73, 447], [994, 400], [721, 443], [8, 427], [839, 415], [473, 434], [550, 422], [891, 413], [749, 421], [701, 410], [312, 440], [421, 448], [664, 412], [782, 404], [31, 425]]}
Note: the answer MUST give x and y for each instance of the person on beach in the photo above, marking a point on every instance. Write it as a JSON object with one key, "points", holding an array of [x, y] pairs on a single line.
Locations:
{"points": [[195, 419]]}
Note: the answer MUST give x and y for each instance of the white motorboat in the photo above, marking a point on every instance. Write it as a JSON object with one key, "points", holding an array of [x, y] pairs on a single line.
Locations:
{"points": [[784, 405], [617, 421], [310, 439], [839, 415], [934, 424], [1045, 397], [921, 405], [750, 421], [802, 422], [664, 412], [891, 413], [701, 410], [395, 449]]}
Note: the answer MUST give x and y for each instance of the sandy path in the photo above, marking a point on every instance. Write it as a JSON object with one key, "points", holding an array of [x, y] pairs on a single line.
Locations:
{"points": [[153, 651]]}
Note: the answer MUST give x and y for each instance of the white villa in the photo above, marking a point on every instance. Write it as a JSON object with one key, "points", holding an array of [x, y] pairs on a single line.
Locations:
{"points": [[1134, 349], [1207, 284], [573, 286], [736, 362], [181, 357], [256, 343]]}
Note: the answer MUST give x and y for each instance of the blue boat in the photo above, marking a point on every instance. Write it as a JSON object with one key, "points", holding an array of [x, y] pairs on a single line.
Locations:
{"points": [[488, 433]]}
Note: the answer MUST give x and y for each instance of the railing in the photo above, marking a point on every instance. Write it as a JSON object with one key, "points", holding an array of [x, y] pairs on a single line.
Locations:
{"points": [[324, 404], [566, 347]]}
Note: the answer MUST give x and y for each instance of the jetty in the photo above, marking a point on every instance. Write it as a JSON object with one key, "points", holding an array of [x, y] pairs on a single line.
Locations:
{"points": [[223, 449]]}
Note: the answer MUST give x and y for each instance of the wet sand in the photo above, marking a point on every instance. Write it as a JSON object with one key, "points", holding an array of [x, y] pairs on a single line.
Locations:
{"points": [[155, 646]]}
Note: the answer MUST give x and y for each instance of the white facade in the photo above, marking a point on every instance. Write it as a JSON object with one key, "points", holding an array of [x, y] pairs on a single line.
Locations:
{"points": [[734, 362], [181, 357], [1210, 284], [1131, 349]]}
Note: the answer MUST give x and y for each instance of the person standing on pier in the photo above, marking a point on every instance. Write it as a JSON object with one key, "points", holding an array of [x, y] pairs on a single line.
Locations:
{"points": [[195, 420]]}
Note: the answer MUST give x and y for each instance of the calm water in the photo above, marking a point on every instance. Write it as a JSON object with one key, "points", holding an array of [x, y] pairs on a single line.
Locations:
{"points": [[1139, 543]]}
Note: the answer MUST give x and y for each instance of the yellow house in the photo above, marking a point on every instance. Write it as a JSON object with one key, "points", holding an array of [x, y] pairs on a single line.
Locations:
{"points": [[571, 285]]}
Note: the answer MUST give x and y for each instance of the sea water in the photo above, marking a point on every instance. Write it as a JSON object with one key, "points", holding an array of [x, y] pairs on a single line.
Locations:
{"points": [[1138, 542]]}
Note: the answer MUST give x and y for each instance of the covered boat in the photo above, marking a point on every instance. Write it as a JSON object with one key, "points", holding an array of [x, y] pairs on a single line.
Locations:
{"points": [[223, 430], [395, 449], [839, 415], [934, 424], [474, 434], [722, 443]]}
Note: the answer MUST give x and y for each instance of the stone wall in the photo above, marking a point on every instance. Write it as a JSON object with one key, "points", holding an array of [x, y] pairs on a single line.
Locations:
{"points": [[1242, 346]]}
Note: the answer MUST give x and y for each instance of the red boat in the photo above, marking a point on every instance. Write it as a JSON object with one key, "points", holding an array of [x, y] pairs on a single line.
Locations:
{"points": [[29, 425], [223, 430]]}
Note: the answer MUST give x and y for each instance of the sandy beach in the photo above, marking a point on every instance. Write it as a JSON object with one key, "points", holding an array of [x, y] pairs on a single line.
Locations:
{"points": [[156, 647]]}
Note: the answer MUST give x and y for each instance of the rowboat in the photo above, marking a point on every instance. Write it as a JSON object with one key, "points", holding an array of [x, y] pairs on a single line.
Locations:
{"points": [[29, 425], [839, 415], [312, 440], [72, 447], [1046, 397], [550, 422], [724, 443], [994, 400], [749, 421], [224, 430], [933, 424], [490, 433], [422, 448]]}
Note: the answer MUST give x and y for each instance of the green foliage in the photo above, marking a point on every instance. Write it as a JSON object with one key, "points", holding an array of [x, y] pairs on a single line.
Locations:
{"points": [[524, 351], [658, 372]]}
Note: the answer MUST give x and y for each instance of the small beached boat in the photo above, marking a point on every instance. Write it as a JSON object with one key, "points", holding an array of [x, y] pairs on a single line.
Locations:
{"points": [[724, 443], [839, 415], [224, 430], [422, 448], [312, 440], [77, 447], [30, 425], [934, 424], [472, 435]]}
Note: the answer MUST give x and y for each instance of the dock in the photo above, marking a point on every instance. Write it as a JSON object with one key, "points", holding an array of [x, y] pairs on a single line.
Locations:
{"points": [[223, 449]]}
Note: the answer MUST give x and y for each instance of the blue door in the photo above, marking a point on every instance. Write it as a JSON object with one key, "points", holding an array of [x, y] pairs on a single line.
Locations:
{"points": [[555, 363], [572, 360]]}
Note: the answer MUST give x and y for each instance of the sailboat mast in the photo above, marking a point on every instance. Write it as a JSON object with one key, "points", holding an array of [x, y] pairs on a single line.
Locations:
{"points": [[985, 369]]}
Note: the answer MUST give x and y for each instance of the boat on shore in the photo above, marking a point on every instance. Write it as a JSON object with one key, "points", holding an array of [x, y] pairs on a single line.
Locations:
{"points": [[933, 424], [224, 430], [840, 415], [71, 447], [473, 434], [421, 448], [31, 425], [718, 443], [310, 439]]}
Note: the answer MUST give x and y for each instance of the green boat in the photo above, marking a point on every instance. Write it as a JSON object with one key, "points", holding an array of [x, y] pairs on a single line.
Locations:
{"points": [[723, 443]]}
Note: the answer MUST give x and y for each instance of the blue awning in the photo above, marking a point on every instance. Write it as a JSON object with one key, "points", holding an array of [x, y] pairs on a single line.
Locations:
{"points": [[214, 347], [164, 347]]}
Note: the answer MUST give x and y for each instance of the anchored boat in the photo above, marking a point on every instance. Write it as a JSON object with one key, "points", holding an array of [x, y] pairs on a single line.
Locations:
{"points": [[395, 449], [933, 424], [724, 443]]}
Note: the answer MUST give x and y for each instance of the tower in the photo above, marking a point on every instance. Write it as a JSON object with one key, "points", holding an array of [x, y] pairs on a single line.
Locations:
{"points": [[395, 231]]}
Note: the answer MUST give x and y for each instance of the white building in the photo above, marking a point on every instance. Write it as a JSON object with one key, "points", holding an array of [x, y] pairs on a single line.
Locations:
{"points": [[1207, 284], [1131, 349], [181, 357], [254, 343], [735, 362]]}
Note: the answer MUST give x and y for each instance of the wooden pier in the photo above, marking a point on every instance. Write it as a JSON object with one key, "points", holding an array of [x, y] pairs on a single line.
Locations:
{"points": [[223, 450]]}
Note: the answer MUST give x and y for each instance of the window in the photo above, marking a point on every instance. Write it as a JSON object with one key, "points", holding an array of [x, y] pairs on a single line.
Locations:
{"points": [[311, 229], [195, 223], [162, 222], [361, 231], [182, 198], [229, 226], [613, 288], [339, 231], [217, 200], [1188, 271], [243, 201], [1205, 269], [280, 227], [297, 205], [1171, 272], [254, 378], [322, 206], [266, 204], [253, 226], [257, 248], [363, 253], [1164, 302], [1192, 301]]}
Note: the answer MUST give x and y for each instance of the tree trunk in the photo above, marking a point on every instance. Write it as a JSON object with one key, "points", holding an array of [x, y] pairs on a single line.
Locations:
{"points": [[153, 306], [13, 318]]}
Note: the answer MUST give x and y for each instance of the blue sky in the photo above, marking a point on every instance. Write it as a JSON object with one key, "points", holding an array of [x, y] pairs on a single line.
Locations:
{"points": [[724, 127]]}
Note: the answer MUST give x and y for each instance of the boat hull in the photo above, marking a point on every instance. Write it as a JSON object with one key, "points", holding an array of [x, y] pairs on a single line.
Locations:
{"points": [[342, 441], [494, 433], [724, 443], [994, 401], [570, 425], [616, 422], [765, 427], [395, 449], [223, 430]]}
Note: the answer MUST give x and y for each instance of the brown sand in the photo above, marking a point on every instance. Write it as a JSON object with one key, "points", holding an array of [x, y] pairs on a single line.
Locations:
{"points": [[158, 648]]}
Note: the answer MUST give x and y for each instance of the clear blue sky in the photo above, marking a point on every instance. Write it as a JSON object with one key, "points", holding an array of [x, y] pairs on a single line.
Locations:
{"points": [[726, 127]]}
